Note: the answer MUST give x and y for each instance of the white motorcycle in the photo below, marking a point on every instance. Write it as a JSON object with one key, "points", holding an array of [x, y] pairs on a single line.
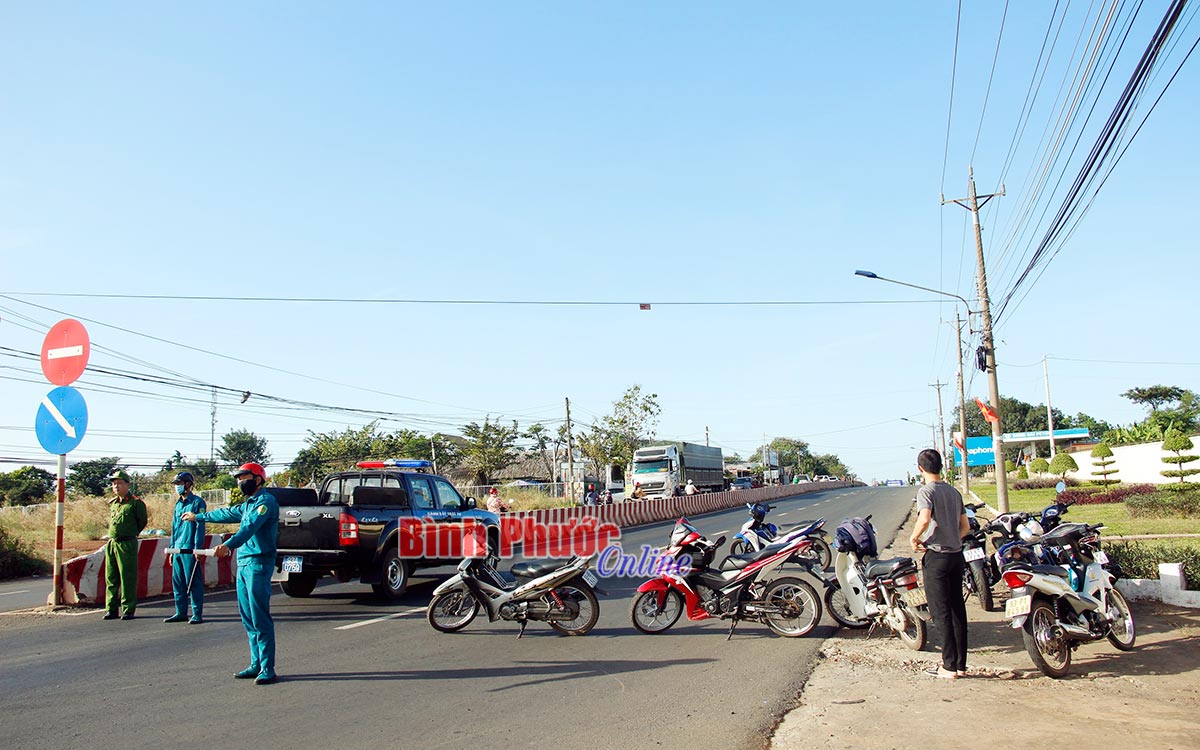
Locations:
{"points": [[561, 594], [1058, 607], [864, 591]]}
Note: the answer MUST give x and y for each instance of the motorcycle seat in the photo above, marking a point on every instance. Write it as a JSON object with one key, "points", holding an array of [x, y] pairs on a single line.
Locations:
{"points": [[737, 562], [533, 570], [1050, 570], [883, 568]]}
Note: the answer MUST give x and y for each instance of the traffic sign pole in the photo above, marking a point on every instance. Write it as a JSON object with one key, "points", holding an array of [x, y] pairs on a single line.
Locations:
{"points": [[59, 512]]}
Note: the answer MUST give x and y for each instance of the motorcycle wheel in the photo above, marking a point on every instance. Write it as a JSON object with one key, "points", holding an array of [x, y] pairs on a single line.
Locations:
{"points": [[799, 600], [819, 553], [1122, 632], [1049, 654], [648, 617], [451, 611], [980, 581], [739, 548], [589, 609], [839, 609], [913, 632]]}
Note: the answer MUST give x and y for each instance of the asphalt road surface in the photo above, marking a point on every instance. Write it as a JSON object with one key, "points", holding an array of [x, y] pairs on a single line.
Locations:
{"points": [[356, 672]]}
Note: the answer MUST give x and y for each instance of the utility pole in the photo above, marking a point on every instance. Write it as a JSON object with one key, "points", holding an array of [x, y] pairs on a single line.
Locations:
{"points": [[1049, 414], [433, 452], [212, 433], [941, 425], [962, 413], [706, 436], [989, 345], [570, 456]]}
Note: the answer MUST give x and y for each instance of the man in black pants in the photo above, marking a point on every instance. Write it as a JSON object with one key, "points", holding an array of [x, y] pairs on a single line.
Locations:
{"points": [[941, 525]]}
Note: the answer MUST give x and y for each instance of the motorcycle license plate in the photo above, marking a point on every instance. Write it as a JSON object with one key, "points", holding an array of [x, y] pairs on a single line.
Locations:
{"points": [[292, 564], [973, 554], [1017, 606], [915, 597], [1101, 558], [590, 578]]}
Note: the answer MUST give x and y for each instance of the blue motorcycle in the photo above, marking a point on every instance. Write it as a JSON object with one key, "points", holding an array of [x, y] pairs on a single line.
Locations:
{"points": [[757, 533]]}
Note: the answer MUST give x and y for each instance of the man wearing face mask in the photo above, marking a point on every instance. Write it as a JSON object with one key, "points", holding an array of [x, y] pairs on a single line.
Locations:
{"points": [[187, 535], [258, 519]]}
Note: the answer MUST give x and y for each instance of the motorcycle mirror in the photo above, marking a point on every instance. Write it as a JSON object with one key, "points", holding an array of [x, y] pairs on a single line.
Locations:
{"points": [[1060, 487], [719, 542]]}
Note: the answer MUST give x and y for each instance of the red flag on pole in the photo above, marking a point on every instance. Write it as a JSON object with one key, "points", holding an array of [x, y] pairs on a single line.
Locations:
{"points": [[988, 413]]}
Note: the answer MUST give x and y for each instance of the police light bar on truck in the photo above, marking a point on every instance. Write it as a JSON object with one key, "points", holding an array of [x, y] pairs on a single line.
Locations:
{"points": [[396, 463]]}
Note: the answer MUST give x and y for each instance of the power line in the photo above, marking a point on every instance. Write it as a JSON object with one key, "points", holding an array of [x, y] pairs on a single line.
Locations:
{"points": [[987, 94]]}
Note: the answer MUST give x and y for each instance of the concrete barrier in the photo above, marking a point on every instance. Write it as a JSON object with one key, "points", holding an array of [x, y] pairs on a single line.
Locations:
{"points": [[1169, 588], [83, 581]]}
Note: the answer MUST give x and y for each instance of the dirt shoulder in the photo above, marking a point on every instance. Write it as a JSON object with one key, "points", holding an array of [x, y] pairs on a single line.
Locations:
{"points": [[873, 693]]}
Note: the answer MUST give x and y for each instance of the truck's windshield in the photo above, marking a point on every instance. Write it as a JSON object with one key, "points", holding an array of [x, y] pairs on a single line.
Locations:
{"points": [[650, 467]]}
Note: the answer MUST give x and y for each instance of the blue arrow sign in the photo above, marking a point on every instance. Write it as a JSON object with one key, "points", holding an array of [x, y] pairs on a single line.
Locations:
{"points": [[61, 420]]}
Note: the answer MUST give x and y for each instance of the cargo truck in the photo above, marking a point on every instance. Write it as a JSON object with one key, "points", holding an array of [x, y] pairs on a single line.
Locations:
{"points": [[661, 469]]}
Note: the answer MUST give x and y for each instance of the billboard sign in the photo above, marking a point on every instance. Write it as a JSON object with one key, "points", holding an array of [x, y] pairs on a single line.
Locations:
{"points": [[979, 452]]}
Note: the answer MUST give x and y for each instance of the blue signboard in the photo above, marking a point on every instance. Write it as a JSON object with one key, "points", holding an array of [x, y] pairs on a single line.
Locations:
{"points": [[1075, 433], [979, 452], [61, 420]]}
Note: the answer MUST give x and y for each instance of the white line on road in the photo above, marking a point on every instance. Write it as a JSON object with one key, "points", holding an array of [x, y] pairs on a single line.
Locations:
{"points": [[393, 616], [22, 591]]}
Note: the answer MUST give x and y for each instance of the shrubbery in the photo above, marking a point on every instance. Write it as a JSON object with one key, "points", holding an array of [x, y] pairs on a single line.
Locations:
{"points": [[1141, 559], [1169, 504], [16, 558], [1100, 495], [1041, 483]]}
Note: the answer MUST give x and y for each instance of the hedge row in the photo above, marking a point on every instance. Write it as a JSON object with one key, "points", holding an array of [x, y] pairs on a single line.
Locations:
{"points": [[1042, 483], [1101, 495], [1165, 505], [1141, 559], [17, 559]]}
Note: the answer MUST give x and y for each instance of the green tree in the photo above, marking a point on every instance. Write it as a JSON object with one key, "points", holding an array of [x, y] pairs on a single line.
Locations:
{"points": [[1104, 451], [25, 485], [546, 445], [489, 448], [1063, 463], [1010, 466], [1154, 396], [1039, 466], [1176, 442], [328, 452], [242, 446], [91, 477], [632, 424], [1095, 427]]}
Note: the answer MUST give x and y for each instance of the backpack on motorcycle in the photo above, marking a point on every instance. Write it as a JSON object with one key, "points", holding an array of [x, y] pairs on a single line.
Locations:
{"points": [[856, 535]]}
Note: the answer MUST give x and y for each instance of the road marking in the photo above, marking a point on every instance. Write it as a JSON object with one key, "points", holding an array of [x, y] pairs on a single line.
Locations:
{"points": [[393, 616], [22, 591], [65, 351], [58, 417]]}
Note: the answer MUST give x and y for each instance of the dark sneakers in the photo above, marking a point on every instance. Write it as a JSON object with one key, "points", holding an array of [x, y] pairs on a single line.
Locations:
{"points": [[110, 615], [176, 618], [265, 678]]}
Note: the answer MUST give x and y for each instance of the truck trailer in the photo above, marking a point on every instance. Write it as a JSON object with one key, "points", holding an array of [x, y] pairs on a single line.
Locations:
{"points": [[661, 469]]}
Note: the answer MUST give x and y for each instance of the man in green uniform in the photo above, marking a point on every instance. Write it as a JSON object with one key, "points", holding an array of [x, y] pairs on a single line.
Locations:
{"points": [[255, 540], [126, 519]]}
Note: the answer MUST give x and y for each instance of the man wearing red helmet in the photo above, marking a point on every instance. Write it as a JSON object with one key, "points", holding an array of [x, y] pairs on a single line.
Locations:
{"points": [[258, 519]]}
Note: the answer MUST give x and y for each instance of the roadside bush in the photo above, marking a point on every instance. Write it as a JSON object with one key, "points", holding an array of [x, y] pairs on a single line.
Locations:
{"points": [[1165, 505], [1100, 495], [1041, 483], [1141, 559], [17, 559]]}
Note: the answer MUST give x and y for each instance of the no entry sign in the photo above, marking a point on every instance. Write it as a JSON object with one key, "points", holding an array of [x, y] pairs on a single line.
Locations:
{"points": [[65, 352]]}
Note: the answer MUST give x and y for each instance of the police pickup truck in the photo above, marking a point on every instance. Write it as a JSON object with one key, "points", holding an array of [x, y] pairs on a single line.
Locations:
{"points": [[359, 525]]}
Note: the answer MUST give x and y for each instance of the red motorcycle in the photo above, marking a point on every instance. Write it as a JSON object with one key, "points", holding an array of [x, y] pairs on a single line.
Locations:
{"points": [[733, 591]]}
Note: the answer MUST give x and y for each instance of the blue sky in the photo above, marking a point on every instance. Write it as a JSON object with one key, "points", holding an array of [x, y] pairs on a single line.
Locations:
{"points": [[673, 153]]}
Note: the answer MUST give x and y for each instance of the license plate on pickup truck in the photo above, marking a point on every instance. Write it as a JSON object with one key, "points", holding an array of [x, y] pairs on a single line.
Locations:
{"points": [[973, 554], [915, 597], [590, 578], [1017, 606], [292, 564]]}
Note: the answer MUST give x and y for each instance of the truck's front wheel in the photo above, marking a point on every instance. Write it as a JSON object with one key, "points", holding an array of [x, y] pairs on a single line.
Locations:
{"points": [[395, 573], [299, 585]]}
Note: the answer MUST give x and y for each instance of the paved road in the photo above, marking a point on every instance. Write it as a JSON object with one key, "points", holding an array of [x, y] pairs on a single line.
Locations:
{"points": [[24, 593], [360, 673]]}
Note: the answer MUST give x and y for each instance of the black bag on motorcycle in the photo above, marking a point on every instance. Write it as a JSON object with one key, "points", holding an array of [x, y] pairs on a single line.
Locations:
{"points": [[856, 535]]}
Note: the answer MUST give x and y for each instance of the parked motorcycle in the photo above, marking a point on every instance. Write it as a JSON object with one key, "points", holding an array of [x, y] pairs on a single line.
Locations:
{"points": [[1058, 607], [978, 576], [736, 590], [867, 592], [757, 533], [563, 595]]}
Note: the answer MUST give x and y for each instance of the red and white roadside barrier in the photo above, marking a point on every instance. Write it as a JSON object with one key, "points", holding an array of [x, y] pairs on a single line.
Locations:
{"points": [[82, 578]]}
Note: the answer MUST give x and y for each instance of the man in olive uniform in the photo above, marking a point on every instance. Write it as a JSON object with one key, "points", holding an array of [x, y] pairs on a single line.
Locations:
{"points": [[186, 536], [126, 519], [258, 519]]}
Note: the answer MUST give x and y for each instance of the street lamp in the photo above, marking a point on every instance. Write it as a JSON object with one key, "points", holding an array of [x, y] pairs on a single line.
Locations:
{"points": [[932, 429], [997, 442]]}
